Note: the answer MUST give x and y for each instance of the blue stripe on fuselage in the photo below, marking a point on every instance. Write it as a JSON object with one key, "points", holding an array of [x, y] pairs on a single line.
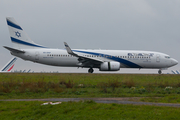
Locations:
{"points": [[25, 43], [13, 25], [123, 61]]}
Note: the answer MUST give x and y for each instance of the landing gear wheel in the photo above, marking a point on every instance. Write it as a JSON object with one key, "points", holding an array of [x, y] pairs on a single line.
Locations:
{"points": [[159, 71], [90, 70]]}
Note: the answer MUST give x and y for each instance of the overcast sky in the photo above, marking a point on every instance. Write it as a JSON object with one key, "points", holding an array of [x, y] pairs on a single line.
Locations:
{"points": [[92, 24]]}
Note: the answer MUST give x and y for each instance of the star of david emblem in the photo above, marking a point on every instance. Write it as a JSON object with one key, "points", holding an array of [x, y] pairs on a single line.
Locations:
{"points": [[18, 34]]}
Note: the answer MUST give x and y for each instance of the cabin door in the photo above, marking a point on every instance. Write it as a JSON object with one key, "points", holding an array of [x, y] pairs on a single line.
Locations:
{"points": [[36, 55], [157, 58]]}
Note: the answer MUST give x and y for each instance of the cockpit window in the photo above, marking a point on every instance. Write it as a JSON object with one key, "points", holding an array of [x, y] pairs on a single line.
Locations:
{"points": [[167, 57]]}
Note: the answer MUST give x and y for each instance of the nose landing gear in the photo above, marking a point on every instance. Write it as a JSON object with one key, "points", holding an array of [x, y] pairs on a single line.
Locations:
{"points": [[90, 70], [159, 71]]}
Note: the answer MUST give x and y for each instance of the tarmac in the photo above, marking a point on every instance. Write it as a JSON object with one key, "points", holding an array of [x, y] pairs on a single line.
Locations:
{"points": [[122, 100]]}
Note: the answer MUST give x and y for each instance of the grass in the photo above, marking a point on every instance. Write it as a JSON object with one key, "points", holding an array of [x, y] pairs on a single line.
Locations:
{"points": [[88, 110], [153, 88]]}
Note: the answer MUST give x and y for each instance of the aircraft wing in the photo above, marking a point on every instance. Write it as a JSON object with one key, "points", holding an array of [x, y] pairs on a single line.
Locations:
{"points": [[83, 60]]}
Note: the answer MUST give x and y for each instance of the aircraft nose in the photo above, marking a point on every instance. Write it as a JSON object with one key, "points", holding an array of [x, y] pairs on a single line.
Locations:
{"points": [[174, 62]]}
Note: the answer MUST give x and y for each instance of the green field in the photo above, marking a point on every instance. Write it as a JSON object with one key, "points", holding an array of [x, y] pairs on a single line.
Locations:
{"points": [[87, 110], [151, 88]]}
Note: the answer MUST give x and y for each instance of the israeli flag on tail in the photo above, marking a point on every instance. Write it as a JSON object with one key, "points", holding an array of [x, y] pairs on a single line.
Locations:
{"points": [[19, 37], [8, 67]]}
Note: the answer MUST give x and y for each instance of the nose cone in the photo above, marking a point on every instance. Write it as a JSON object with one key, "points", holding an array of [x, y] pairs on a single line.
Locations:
{"points": [[174, 62]]}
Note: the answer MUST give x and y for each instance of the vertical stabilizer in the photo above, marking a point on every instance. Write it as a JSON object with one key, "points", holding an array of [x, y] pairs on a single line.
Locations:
{"points": [[18, 36], [173, 71], [177, 71], [8, 67]]}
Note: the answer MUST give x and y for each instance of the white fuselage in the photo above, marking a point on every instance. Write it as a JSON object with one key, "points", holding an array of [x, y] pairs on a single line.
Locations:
{"points": [[127, 58]]}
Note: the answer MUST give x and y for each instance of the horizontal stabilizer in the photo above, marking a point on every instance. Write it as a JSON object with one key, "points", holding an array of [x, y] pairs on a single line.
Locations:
{"points": [[14, 50]]}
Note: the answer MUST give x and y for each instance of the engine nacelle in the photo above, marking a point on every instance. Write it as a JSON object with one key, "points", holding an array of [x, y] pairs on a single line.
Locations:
{"points": [[110, 66]]}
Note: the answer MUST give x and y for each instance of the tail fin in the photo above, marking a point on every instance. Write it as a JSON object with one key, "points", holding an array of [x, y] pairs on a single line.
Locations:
{"points": [[173, 71], [19, 37], [8, 67]]}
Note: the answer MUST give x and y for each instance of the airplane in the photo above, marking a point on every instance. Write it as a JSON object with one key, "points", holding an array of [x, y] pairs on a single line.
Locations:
{"points": [[104, 60], [29, 71], [177, 71], [173, 71], [9, 66]]}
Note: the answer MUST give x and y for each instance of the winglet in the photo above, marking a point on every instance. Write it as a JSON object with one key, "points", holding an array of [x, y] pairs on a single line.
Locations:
{"points": [[81, 57], [69, 49]]}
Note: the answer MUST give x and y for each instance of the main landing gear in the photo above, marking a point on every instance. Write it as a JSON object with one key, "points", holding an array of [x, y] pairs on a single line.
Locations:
{"points": [[159, 71], [90, 70]]}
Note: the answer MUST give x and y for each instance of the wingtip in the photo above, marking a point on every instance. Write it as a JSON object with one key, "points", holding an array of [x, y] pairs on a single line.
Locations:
{"points": [[66, 45], [9, 18], [5, 46]]}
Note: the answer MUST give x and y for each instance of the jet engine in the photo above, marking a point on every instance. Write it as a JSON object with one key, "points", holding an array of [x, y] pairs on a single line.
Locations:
{"points": [[109, 66]]}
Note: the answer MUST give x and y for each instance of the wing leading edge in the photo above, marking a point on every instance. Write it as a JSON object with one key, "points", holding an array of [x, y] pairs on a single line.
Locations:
{"points": [[83, 60]]}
